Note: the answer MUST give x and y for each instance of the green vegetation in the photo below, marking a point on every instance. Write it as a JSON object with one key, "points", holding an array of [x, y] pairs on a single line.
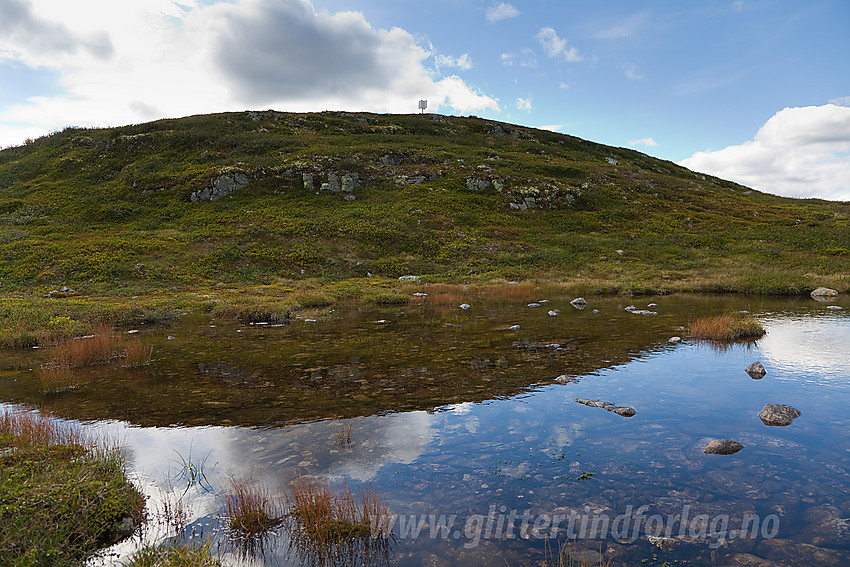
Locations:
{"points": [[729, 327], [110, 213], [174, 556], [62, 496]]}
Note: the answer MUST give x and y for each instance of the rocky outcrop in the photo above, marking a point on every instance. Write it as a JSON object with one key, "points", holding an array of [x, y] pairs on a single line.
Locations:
{"points": [[221, 186], [722, 447], [778, 414]]}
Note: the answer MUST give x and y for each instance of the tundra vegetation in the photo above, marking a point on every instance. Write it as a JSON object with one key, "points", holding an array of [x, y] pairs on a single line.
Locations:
{"points": [[257, 214]]}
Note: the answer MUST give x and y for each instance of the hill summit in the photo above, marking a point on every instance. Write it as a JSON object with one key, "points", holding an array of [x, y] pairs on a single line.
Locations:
{"points": [[263, 197]]}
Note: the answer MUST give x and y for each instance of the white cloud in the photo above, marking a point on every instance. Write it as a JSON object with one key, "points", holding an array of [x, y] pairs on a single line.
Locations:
{"points": [[165, 58], [462, 62], [556, 47], [631, 71], [644, 142], [551, 127], [501, 11], [841, 101], [799, 152], [524, 58], [36, 40], [523, 104]]}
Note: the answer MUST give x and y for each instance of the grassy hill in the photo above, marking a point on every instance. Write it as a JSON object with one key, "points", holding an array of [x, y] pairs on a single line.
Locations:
{"points": [[321, 200]]}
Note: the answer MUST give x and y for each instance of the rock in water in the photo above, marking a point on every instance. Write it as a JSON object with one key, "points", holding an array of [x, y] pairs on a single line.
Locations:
{"points": [[722, 447], [756, 370], [624, 411], [674, 340], [823, 292], [578, 303], [779, 414], [663, 543], [465, 306]]}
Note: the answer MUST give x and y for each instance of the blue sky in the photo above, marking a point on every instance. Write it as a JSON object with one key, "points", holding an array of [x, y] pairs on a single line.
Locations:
{"points": [[753, 90]]}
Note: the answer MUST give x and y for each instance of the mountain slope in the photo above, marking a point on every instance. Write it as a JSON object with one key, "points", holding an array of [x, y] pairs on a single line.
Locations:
{"points": [[266, 197]]}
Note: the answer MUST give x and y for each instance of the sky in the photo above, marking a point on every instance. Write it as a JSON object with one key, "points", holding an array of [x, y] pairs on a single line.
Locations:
{"points": [[756, 91]]}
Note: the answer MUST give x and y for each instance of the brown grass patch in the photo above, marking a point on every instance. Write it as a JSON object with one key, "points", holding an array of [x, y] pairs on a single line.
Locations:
{"points": [[249, 508], [328, 516], [56, 377], [103, 345], [729, 327], [136, 354]]}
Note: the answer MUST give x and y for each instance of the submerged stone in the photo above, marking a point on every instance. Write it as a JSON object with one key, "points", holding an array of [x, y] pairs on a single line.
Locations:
{"points": [[624, 411]]}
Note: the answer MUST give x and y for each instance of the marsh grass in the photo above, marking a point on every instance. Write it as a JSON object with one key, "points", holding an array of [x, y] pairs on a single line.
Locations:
{"points": [[726, 328], [137, 354], [100, 347], [343, 434], [174, 555], [56, 377], [329, 516], [249, 508], [63, 493]]}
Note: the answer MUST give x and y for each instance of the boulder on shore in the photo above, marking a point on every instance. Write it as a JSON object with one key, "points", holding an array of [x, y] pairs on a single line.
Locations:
{"points": [[823, 293]]}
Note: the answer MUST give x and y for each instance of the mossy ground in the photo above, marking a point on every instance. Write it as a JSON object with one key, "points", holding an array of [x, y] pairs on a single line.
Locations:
{"points": [[61, 497]]}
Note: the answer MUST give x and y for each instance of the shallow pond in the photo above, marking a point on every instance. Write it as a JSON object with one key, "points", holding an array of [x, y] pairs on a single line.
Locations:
{"points": [[469, 431]]}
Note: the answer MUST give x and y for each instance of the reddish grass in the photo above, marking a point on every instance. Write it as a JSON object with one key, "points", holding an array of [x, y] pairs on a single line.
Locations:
{"points": [[729, 327], [30, 429], [249, 508], [329, 516], [137, 354], [56, 377], [98, 348]]}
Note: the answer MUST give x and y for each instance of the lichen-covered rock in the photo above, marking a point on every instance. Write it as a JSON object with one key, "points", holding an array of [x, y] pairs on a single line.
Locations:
{"points": [[779, 414], [221, 186]]}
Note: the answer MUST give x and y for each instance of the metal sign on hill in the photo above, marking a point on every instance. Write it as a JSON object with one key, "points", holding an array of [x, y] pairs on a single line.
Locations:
{"points": [[423, 104]]}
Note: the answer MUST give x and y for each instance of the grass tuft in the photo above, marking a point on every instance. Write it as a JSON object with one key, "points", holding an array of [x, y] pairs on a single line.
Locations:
{"points": [[729, 327], [136, 354], [56, 377], [249, 508], [327, 516]]}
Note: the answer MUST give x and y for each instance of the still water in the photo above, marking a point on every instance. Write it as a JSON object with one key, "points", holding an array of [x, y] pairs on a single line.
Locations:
{"points": [[468, 429]]}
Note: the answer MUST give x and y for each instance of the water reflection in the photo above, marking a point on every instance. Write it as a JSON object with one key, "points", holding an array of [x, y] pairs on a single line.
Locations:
{"points": [[467, 422], [818, 344]]}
